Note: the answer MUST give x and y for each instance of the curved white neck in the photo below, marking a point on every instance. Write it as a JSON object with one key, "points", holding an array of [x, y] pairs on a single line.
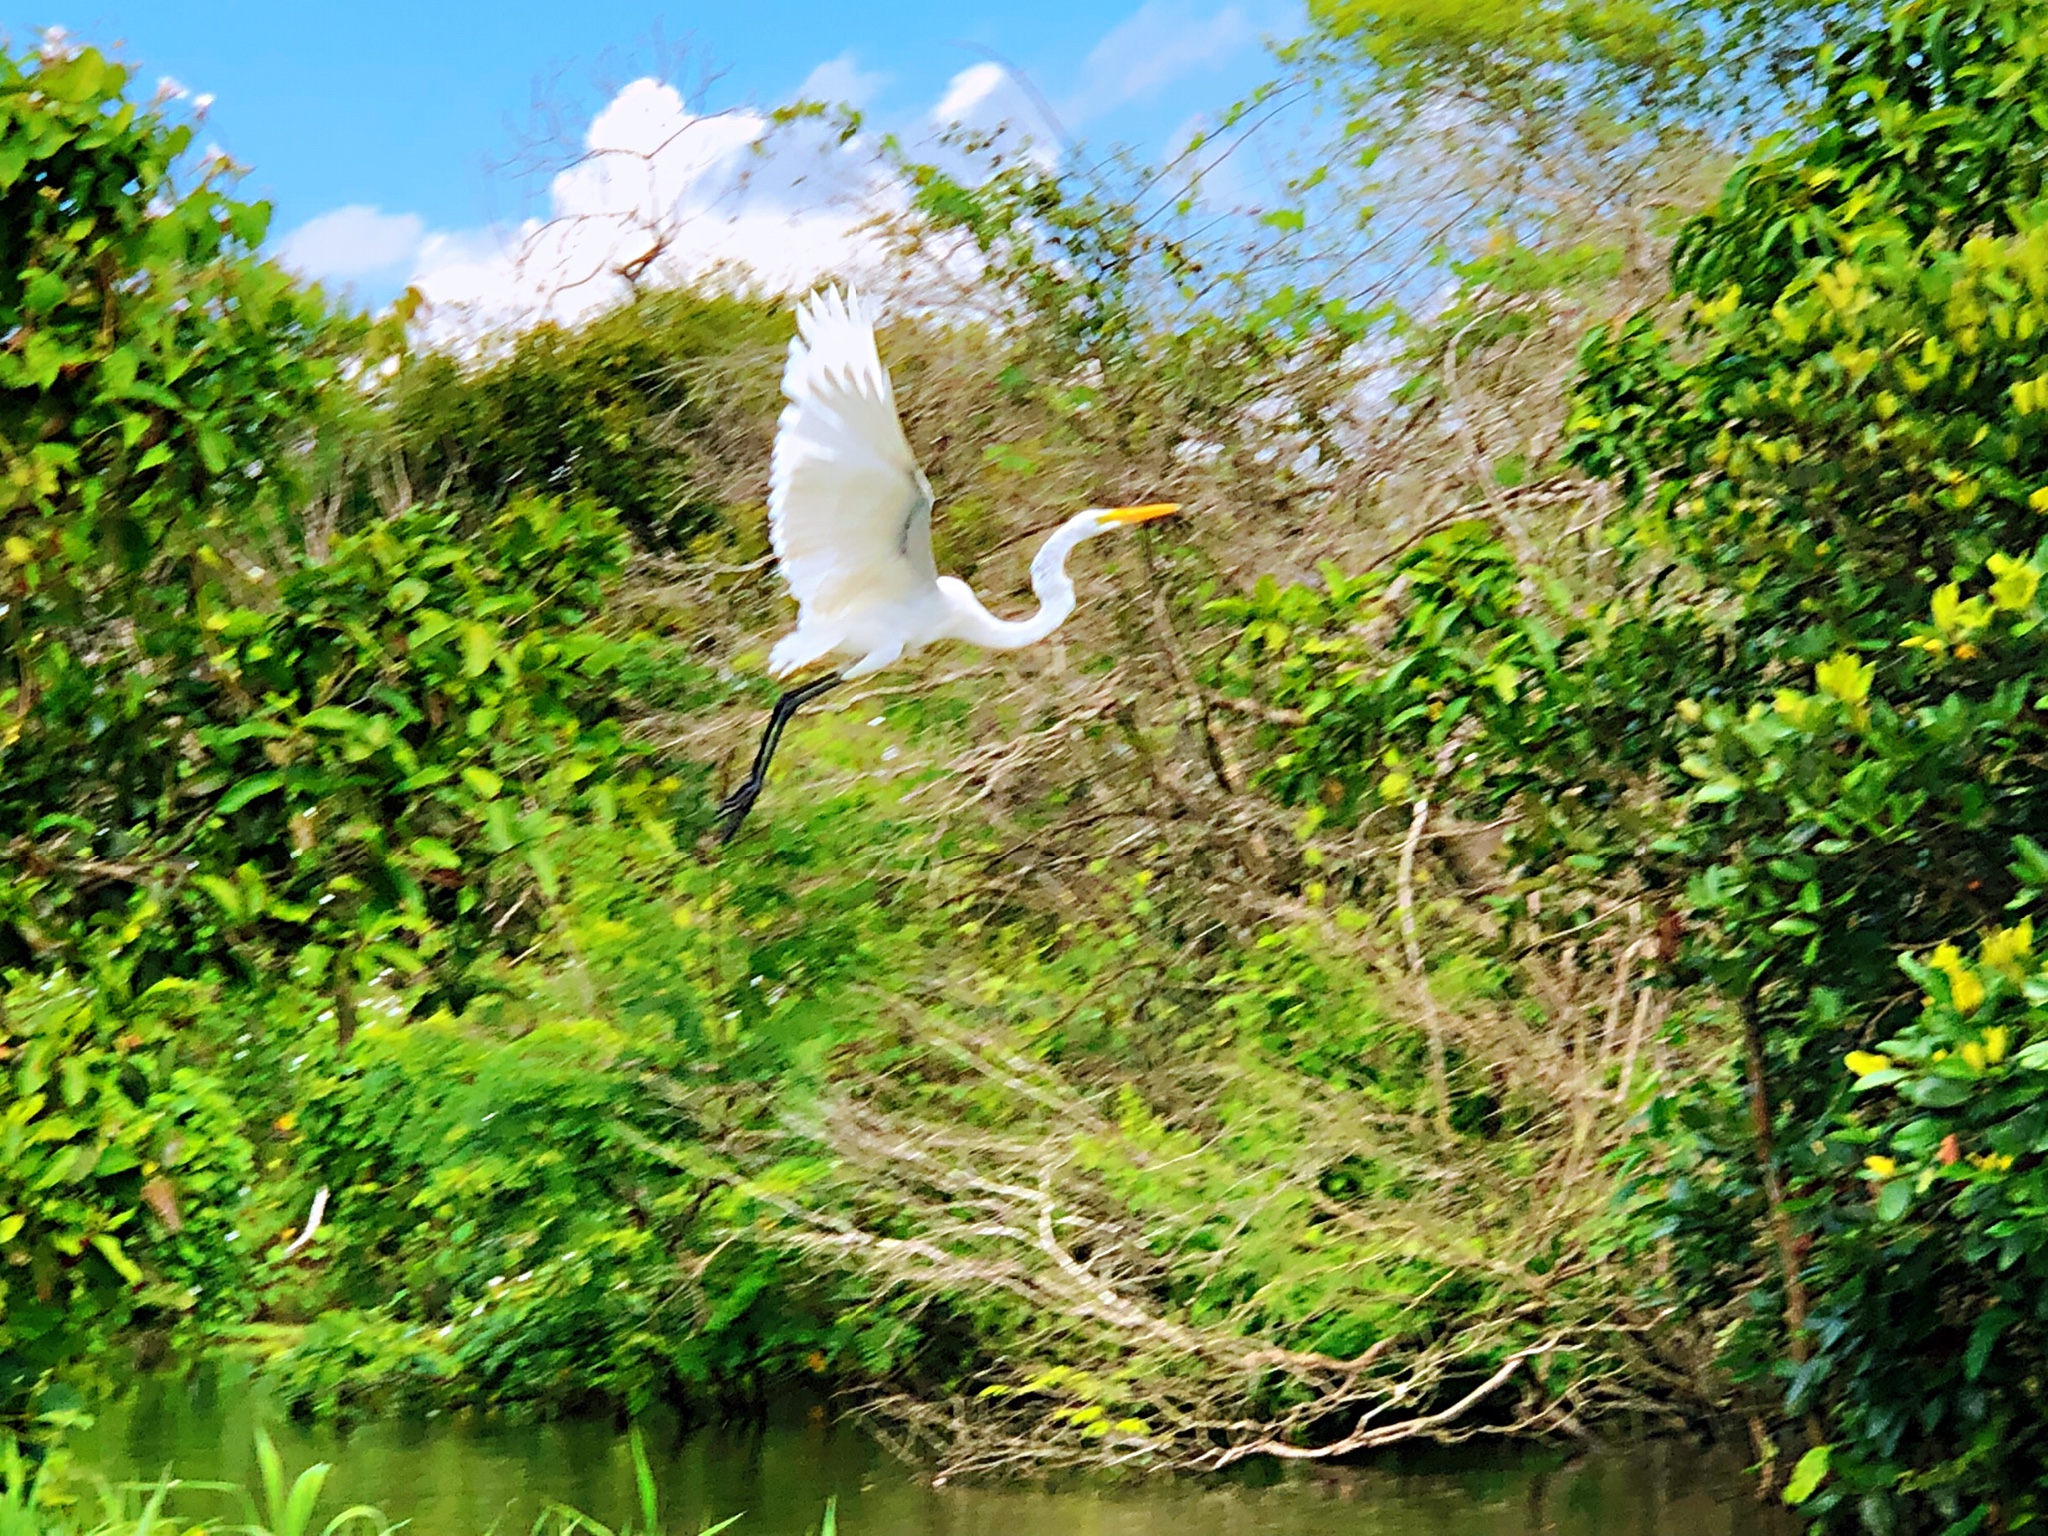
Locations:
{"points": [[1049, 582]]}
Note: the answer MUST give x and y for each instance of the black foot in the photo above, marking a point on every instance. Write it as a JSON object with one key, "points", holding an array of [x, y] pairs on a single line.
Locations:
{"points": [[732, 810]]}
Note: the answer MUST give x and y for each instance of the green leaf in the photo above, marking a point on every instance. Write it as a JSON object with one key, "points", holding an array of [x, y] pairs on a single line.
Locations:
{"points": [[643, 1478], [1939, 1092], [124, 1266], [1982, 1339], [43, 292], [483, 781], [76, 79], [272, 1468], [1808, 1474], [298, 1510], [498, 829], [478, 644], [1893, 1199], [249, 789], [1009, 458], [213, 449], [544, 870], [225, 892], [1844, 677], [333, 717], [432, 850]]}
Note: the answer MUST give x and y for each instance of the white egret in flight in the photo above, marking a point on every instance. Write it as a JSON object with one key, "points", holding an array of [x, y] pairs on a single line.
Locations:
{"points": [[850, 516]]}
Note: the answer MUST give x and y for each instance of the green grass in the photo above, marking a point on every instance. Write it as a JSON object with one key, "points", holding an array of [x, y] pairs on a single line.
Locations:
{"points": [[34, 1501]]}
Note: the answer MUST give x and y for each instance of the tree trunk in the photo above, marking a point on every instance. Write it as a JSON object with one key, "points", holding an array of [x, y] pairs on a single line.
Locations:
{"points": [[1760, 1119]]}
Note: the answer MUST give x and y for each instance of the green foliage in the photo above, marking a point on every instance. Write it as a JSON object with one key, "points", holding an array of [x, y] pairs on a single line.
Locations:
{"points": [[358, 838], [1928, 126], [531, 1212], [155, 369], [1811, 722], [1547, 104], [157, 378], [1384, 670], [122, 1158], [288, 1511], [420, 712], [500, 1189], [231, 752], [1641, 62], [1461, 677], [366, 766], [613, 410], [569, 1521], [1942, 1259]]}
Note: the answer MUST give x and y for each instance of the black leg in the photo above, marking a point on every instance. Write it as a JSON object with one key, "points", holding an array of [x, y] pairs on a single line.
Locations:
{"points": [[734, 809]]}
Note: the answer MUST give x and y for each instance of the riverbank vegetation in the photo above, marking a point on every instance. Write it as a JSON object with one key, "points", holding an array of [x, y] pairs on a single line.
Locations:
{"points": [[1513, 917], [41, 1497]]}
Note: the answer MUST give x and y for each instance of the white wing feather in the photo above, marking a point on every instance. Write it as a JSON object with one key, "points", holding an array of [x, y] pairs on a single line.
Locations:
{"points": [[849, 513]]}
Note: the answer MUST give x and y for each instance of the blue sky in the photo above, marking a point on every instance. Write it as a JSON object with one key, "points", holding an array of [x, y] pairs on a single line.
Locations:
{"points": [[401, 108]]}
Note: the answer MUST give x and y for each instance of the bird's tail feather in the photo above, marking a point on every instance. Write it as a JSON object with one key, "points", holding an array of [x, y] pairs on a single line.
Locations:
{"points": [[799, 648]]}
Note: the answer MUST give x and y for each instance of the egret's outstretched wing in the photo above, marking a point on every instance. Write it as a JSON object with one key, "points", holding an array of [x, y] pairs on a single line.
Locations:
{"points": [[849, 512]]}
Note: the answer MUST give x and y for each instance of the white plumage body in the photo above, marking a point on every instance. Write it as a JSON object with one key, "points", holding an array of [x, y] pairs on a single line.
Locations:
{"points": [[850, 515]]}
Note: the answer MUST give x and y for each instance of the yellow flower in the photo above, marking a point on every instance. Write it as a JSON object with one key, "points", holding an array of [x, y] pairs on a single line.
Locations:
{"points": [[1863, 1063], [2016, 583], [1883, 1167], [1991, 1162], [1987, 1051], [2004, 948], [1796, 707], [1964, 989], [1843, 676]]}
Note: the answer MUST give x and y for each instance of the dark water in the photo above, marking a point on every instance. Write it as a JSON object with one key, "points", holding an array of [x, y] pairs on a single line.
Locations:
{"points": [[454, 1477]]}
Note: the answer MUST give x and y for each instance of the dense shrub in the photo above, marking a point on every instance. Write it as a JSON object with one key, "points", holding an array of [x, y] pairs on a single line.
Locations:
{"points": [[615, 410], [1849, 455], [123, 1158], [156, 377], [1809, 723]]}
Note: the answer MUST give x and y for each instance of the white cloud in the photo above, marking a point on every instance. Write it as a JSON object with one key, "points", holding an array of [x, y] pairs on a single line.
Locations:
{"points": [[353, 242], [841, 80], [663, 195], [1159, 43], [988, 99], [985, 97]]}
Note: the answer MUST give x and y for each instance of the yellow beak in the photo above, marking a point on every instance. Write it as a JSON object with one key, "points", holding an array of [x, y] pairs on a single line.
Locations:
{"points": [[1143, 514]]}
